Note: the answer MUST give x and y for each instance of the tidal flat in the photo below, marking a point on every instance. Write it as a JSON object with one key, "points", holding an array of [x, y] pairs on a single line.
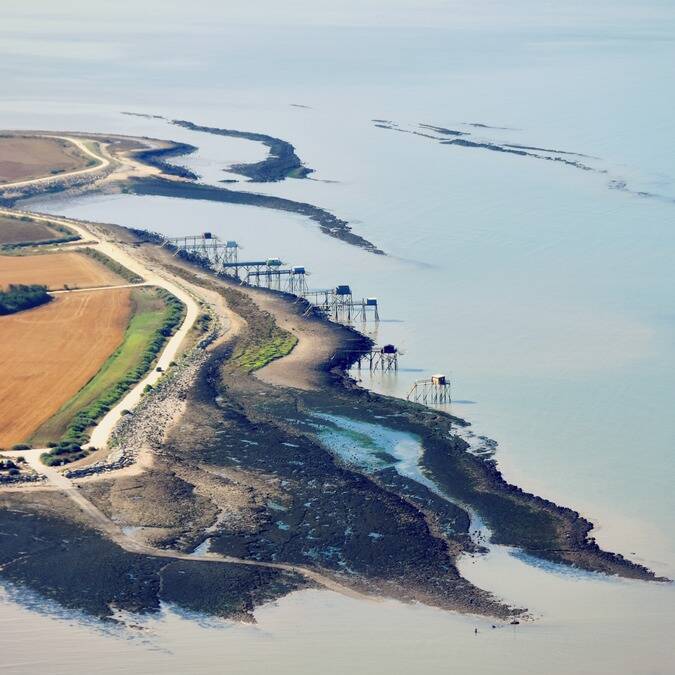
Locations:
{"points": [[251, 473], [54, 552]]}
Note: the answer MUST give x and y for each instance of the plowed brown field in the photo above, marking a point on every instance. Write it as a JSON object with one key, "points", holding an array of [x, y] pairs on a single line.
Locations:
{"points": [[15, 230], [50, 352], [55, 270], [24, 158]]}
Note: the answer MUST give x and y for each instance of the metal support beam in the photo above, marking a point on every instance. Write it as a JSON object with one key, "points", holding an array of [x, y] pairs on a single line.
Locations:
{"points": [[434, 390]]}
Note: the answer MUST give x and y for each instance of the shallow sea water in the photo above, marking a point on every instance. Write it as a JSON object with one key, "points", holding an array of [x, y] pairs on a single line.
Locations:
{"points": [[544, 294]]}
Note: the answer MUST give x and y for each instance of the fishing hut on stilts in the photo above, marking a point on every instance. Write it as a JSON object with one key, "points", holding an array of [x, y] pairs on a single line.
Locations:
{"points": [[436, 389]]}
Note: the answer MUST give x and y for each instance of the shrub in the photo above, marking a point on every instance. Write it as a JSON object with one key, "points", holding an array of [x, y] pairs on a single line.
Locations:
{"points": [[20, 296], [21, 446], [64, 453]]}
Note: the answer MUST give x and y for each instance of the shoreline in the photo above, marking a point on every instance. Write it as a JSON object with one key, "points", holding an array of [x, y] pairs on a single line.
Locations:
{"points": [[256, 413], [267, 414]]}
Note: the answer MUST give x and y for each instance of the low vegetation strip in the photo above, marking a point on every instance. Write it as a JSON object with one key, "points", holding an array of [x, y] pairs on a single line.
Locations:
{"points": [[258, 354], [156, 315], [19, 296], [119, 269], [63, 453], [263, 340]]}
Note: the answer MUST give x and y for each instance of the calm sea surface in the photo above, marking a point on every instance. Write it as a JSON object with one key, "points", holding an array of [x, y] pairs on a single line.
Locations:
{"points": [[546, 295]]}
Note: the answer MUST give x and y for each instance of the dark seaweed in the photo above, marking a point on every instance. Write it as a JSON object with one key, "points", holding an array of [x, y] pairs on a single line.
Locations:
{"points": [[156, 156], [80, 569], [144, 115], [514, 150], [535, 148], [516, 518], [478, 125]]}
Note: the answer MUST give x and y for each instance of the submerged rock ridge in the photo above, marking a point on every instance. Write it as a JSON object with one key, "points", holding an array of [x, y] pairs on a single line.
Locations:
{"points": [[281, 162], [328, 223], [447, 136], [466, 139]]}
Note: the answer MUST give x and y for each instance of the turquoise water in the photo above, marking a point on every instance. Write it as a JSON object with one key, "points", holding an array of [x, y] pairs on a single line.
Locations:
{"points": [[371, 447], [544, 294]]}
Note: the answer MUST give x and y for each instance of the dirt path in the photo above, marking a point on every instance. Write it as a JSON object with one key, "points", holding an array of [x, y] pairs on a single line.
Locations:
{"points": [[231, 321], [114, 166], [98, 288]]}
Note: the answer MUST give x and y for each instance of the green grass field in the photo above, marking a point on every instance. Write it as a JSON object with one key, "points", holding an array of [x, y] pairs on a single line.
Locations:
{"points": [[155, 316], [262, 341], [255, 356]]}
